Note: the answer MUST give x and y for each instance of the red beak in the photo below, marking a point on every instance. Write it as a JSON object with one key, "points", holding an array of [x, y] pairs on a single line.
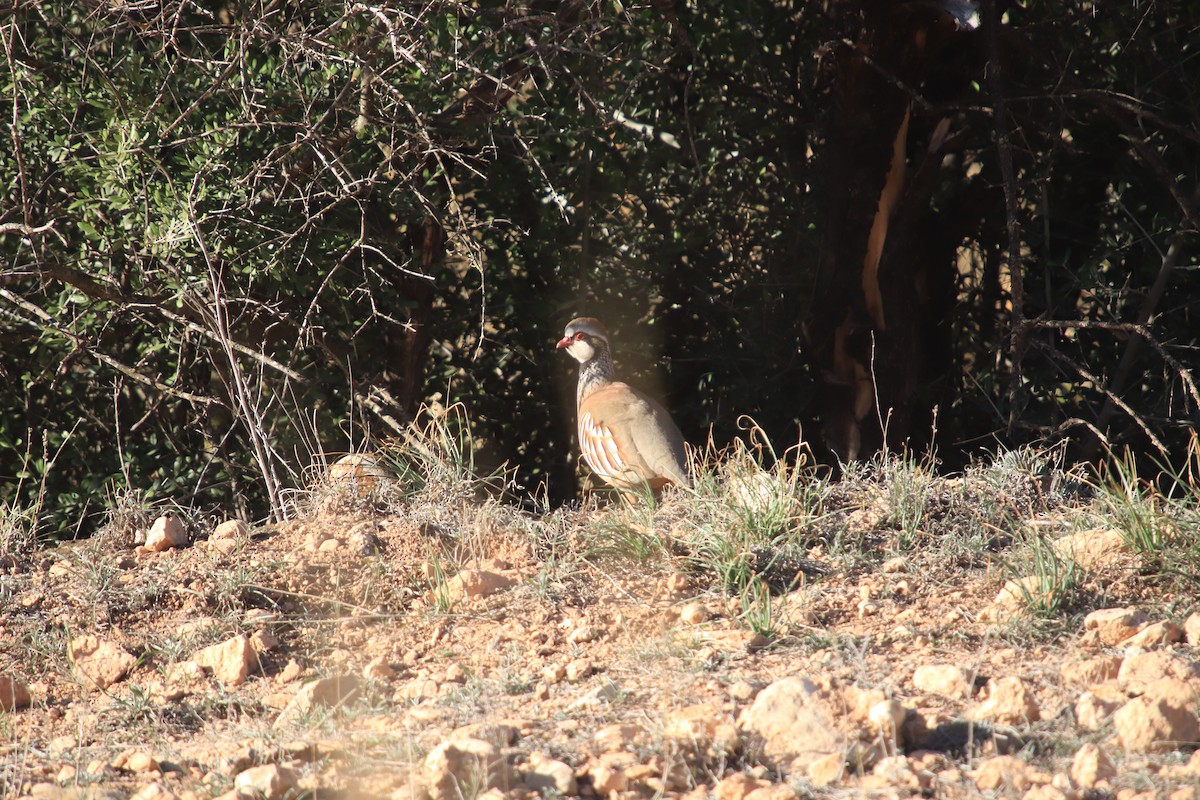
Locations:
{"points": [[563, 342]]}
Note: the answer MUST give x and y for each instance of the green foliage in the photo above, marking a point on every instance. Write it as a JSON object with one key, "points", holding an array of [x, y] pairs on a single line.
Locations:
{"points": [[237, 236]]}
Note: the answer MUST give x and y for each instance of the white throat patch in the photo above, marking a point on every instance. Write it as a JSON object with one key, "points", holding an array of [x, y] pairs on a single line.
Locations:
{"points": [[581, 350]]}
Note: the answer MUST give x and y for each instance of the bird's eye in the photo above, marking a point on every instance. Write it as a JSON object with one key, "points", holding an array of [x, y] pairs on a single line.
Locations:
{"points": [[579, 337]]}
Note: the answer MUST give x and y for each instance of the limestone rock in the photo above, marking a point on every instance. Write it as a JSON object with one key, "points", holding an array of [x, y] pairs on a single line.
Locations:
{"points": [[379, 669], [1000, 771], [99, 662], [827, 770], [1009, 702], [264, 641], [619, 736], [949, 680], [267, 782], [1139, 669], [463, 767], [703, 729], [1115, 625], [794, 727], [154, 791], [773, 791], [737, 786], [473, 583], [1092, 549], [231, 661], [607, 779], [1046, 791], [166, 532], [887, 717], [578, 669], [13, 694], [1016, 594], [1090, 671], [1147, 723], [550, 776], [1191, 629], [694, 613], [321, 692], [1090, 765], [1156, 635], [230, 529], [1094, 707]]}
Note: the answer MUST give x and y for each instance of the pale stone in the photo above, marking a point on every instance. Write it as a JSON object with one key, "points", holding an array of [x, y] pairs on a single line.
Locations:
{"points": [[362, 541], [676, 584], [1176, 691], [694, 613], [1094, 707], [379, 669], [1090, 671], [264, 641], [1139, 669], [13, 694], [868, 608], [737, 786], [949, 680], [1191, 629], [608, 779], [268, 781], [502, 734], [1018, 593], [141, 761], [1153, 724], [618, 736], [1115, 625], [60, 745], [476, 583], [1000, 771], [1092, 549], [323, 692], [704, 729], [463, 767], [578, 669], [1156, 635], [827, 770], [1009, 701], [230, 529], [290, 671], [743, 691], [583, 634], [166, 532], [99, 662], [231, 661], [894, 565], [794, 727], [774, 791], [896, 771], [1090, 765], [550, 776], [1045, 791], [154, 791]]}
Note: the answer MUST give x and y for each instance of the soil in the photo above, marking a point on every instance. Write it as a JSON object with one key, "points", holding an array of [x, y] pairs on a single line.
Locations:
{"points": [[582, 640]]}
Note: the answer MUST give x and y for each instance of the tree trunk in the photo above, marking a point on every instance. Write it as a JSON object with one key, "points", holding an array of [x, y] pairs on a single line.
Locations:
{"points": [[887, 272]]}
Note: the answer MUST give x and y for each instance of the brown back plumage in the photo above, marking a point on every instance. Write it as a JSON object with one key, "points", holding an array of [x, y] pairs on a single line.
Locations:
{"points": [[627, 438]]}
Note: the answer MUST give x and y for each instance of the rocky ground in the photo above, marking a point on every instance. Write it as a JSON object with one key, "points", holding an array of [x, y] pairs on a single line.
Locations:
{"points": [[968, 637]]}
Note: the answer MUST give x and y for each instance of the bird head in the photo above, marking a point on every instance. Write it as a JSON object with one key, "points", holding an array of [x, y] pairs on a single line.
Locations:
{"points": [[582, 338]]}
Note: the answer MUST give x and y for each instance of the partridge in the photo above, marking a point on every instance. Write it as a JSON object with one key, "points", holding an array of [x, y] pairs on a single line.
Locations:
{"points": [[626, 437]]}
